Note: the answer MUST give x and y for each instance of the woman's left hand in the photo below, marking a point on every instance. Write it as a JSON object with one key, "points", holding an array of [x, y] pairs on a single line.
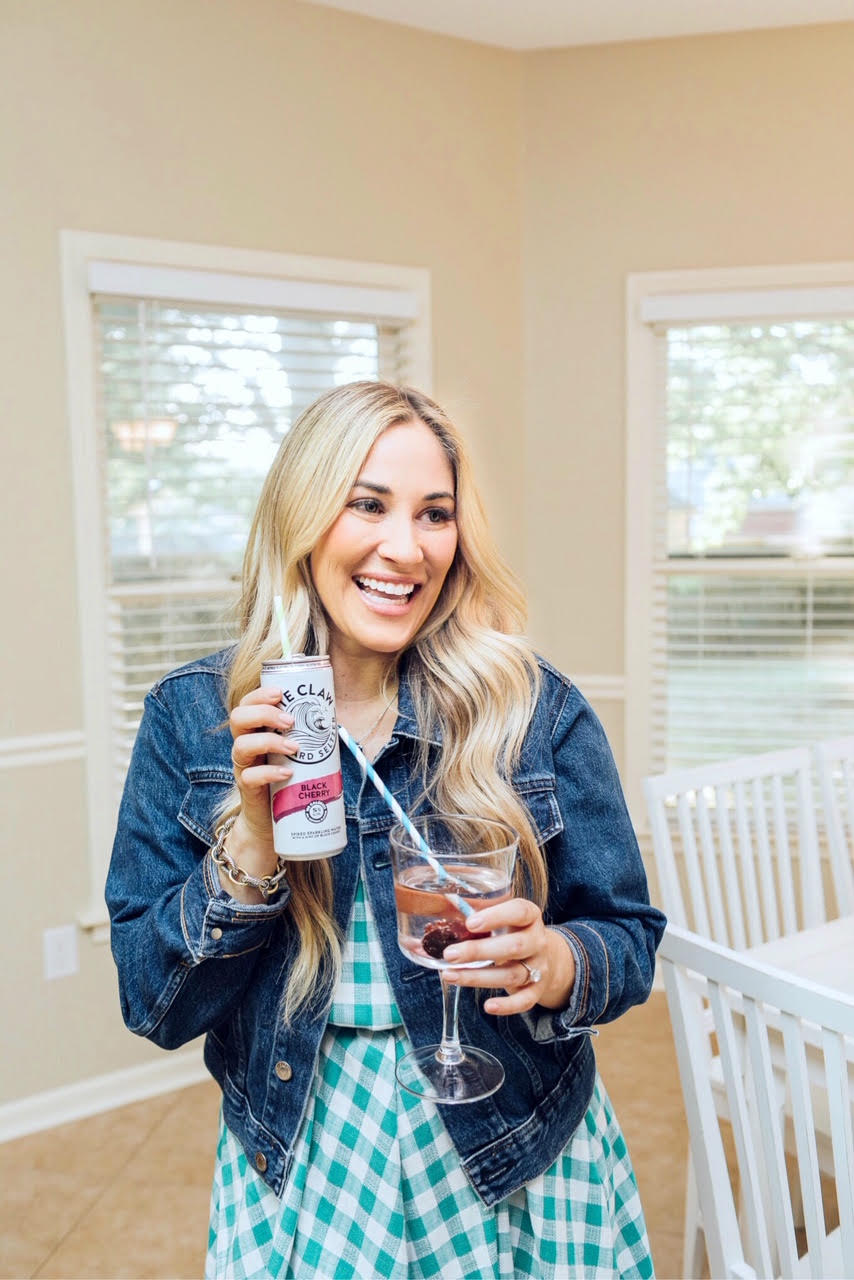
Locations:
{"points": [[545, 953]]}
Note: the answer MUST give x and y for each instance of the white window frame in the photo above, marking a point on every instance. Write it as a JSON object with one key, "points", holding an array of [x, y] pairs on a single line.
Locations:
{"points": [[138, 266], [736, 293]]}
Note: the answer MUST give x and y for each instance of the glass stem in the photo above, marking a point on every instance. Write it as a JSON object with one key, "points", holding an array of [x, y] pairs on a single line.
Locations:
{"points": [[449, 1050]]}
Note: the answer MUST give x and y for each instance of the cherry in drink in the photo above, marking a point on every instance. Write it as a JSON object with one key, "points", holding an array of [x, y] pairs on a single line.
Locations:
{"points": [[429, 920]]}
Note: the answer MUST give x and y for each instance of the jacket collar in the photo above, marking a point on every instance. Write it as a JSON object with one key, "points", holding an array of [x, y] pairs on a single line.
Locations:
{"points": [[406, 726]]}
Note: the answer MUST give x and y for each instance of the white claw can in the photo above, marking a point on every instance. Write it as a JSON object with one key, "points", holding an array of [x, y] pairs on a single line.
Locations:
{"points": [[308, 808]]}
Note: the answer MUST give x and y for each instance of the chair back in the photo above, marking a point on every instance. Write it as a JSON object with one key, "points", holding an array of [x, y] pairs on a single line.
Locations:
{"points": [[736, 848], [834, 762], [786, 1050]]}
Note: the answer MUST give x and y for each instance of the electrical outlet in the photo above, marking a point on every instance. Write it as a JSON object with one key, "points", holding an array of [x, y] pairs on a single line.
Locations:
{"points": [[60, 951]]}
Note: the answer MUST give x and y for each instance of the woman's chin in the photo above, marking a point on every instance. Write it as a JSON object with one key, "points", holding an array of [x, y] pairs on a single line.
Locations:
{"points": [[373, 643]]}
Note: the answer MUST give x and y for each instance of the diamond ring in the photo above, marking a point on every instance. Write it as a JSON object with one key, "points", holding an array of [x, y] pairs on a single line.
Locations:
{"points": [[534, 975]]}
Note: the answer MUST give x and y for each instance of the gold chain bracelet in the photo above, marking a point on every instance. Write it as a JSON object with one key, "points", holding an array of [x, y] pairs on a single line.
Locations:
{"points": [[266, 885]]}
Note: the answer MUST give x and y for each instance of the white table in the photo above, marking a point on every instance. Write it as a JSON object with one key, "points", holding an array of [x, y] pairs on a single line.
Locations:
{"points": [[823, 954]]}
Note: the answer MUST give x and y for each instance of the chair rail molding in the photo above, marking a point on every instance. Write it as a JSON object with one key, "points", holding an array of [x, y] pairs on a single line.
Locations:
{"points": [[42, 748], [598, 685]]}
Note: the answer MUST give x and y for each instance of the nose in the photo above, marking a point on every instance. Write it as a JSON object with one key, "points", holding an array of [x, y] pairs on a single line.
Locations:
{"points": [[400, 542]]}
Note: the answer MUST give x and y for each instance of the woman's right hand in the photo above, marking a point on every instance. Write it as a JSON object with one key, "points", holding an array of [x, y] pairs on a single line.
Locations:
{"points": [[259, 727]]}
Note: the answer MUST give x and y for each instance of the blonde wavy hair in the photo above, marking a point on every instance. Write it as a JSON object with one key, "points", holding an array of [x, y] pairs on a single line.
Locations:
{"points": [[469, 668]]}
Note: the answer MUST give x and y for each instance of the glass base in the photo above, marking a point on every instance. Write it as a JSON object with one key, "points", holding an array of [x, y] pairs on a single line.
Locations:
{"points": [[475, 1076]]}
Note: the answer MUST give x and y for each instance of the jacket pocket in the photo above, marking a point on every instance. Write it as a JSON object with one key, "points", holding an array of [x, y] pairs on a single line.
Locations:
{"points": [[201, 805], [540, 799]]}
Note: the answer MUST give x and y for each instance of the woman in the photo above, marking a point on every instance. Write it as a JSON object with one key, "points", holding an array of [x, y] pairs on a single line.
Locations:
{"points": [[370, 528]]}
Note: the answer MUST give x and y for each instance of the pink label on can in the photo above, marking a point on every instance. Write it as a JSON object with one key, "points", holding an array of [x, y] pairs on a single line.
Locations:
{"points": [[301, 794]]}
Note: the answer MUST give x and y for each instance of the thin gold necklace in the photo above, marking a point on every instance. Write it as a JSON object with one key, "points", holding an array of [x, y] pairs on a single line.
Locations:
{"points": [[377, 722]]}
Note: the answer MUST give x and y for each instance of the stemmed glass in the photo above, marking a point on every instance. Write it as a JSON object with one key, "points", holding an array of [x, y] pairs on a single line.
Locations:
{"points": [[475, 858]]}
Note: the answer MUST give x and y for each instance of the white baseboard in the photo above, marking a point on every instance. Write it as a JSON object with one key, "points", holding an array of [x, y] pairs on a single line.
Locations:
{"points": [[101, 1093]]}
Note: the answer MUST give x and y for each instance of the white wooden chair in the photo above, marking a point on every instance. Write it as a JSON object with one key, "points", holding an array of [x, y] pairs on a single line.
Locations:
{"points": [[834, 762], [737, 856], [749, 870], [786, 1051]]}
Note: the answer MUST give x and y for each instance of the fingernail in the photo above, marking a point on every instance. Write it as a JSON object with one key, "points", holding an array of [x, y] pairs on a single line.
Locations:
{"points": [[285, 773], [473, 920], [451, 953]]}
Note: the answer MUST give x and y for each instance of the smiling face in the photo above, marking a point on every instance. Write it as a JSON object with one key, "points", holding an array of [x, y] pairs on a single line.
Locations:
{"points": [[380, 568]]}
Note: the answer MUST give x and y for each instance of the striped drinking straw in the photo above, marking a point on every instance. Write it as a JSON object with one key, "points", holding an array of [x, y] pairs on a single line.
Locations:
{"points": [[283, 626], [370, 772]]}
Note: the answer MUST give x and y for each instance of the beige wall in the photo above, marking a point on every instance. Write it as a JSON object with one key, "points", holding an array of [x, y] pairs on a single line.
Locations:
{"points": [[711, 151], [261, 124], [529, 185]]}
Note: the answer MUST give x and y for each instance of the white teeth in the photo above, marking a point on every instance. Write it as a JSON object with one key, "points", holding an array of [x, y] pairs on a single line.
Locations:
{"points": [[398, 589]]}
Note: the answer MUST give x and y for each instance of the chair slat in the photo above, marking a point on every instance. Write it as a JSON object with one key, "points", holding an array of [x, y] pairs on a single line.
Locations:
{"points": [[847, 772], [668, 873], [712, 872], [747, 866], [805, 1144], [771, 909], [693, 875], [812, 889], [754, 1183], [770, 1127], [835, 767], [837, 1068], [783, 858]]}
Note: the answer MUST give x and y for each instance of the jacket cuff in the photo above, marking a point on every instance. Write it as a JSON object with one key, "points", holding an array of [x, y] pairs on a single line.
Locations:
{"points": [[215, 925], [547, 1025]]}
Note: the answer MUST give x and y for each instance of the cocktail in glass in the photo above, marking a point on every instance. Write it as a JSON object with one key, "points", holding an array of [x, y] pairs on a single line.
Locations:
{"points": [[475, 859]]}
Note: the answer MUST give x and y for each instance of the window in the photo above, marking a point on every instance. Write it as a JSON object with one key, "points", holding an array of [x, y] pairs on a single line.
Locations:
{"points": [[740, 550], [187, 368]]}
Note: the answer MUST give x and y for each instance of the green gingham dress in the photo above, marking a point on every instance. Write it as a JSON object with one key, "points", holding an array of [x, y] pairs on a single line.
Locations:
{"points": [[376, 1188]]}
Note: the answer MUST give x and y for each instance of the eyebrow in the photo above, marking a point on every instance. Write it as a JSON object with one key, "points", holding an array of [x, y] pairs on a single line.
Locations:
{"points": [[384, 489]]}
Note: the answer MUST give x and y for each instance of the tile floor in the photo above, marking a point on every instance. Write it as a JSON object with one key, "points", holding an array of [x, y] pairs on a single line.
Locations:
{"points": [[125, 1194]]}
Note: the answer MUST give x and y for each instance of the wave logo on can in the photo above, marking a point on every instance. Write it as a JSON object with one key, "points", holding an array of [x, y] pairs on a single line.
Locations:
{"points": [[314, 731]]}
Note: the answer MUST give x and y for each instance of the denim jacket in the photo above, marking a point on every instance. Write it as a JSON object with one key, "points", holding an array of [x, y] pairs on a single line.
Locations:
{"points": [[192, 960]]}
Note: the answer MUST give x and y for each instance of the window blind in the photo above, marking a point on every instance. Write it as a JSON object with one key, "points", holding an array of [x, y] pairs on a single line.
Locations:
{"points": [[753, 574], [194, 399]]}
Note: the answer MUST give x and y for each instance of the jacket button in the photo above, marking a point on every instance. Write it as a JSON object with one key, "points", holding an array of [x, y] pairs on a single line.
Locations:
{"points": [[216, 934], [284, 1070], [260, 1161]]}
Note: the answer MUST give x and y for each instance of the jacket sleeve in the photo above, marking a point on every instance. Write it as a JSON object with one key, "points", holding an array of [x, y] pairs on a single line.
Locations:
{"points": [[185, 950], [598, 899]]}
